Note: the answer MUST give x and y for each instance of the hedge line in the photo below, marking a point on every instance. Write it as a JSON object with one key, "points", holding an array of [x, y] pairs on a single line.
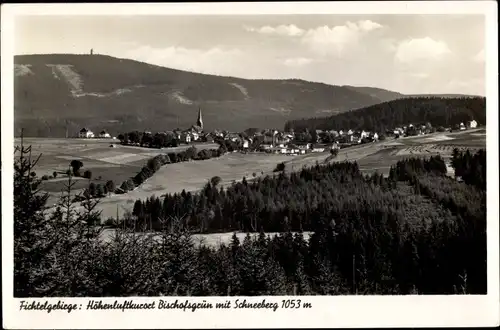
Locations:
{"points": [[155, 163]]}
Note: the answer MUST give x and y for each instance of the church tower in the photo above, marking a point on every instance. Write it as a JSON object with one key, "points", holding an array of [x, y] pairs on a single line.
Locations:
{"points": [[199, 122]]}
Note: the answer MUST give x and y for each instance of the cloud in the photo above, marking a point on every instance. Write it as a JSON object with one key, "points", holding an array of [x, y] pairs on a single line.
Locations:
{"points": [[479, 57], [368, 25], [297, 61], [214, 60], [281, 30], [336, 40], [412, 50], [323, 40]]}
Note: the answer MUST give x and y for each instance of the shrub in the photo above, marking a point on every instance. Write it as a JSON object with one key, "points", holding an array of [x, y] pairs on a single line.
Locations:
{"points": [[191, 152], [215, 180], [166, 159], [110, 185], [99, 191], [130, 184], [173, 157], [87, 174], [45, 177], [110, 222], [76, 165], [124, 186], [68, 172], [154, 164], [54, 174], [92, 189], [280, 167]]}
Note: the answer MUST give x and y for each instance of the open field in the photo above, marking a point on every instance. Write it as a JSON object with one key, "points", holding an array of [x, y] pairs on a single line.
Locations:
{"points": [[393, 150], [106, 163], [193, 175], [213, 240]]}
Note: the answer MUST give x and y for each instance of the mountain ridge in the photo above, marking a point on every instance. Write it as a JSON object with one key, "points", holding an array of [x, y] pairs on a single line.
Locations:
{"points": [[59, 92]]}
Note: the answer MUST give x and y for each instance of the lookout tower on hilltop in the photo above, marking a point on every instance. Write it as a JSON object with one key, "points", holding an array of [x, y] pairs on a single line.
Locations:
{"points": [[199, 121]]}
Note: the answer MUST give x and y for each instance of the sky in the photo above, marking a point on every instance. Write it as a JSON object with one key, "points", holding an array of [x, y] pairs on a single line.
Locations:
{"points": [[411, 54]]}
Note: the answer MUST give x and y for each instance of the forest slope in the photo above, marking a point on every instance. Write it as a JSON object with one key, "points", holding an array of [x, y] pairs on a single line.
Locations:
{"points": [[56, 91], [439, 111]]}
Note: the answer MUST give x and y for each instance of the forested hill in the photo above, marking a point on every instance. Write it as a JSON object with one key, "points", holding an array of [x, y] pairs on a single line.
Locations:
{"points": [[439, 111], [103, 92], [58, 91]]}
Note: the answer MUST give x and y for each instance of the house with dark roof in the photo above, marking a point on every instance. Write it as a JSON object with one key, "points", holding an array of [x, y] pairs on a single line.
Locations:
{"points": [[104, 134], [85, 133]]}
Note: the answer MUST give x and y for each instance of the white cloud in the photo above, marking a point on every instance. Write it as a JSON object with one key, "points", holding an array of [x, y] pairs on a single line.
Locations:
{"points": [[335, 40], [480, 56], [412, 50], [297, 61], [369, 25], [282, 30], [215, 60]]}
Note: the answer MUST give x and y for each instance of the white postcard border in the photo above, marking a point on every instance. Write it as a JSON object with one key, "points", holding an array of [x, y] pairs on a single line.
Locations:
{"points": [[345, 311]]}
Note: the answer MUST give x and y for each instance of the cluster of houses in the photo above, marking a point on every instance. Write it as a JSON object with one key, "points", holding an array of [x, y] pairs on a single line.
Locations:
{"points": [[423, 129], [274, 141], [86, 133]]}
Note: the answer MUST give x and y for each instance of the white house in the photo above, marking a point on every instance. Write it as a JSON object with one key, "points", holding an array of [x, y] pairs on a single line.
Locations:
{"points": [[246, 144], [286, 138], [462, 126], [303, 146], [350, 132], [472, 124], [364, 134], [186, 137], [104, 135], [375, 136], [266, 146], [399, 131], [341, 132], [318, 148], [85, 133]]}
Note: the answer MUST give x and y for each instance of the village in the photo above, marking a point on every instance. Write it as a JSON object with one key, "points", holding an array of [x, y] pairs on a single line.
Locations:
{"points": [[269, 140]]}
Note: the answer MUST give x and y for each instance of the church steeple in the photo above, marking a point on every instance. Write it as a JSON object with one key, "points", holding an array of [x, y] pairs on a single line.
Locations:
{"points": [[199, 122]]}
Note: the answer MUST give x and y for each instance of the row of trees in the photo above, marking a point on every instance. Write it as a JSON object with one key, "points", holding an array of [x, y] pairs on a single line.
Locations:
{"points": [[158, 161], [447, 112], [157, 140]]}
